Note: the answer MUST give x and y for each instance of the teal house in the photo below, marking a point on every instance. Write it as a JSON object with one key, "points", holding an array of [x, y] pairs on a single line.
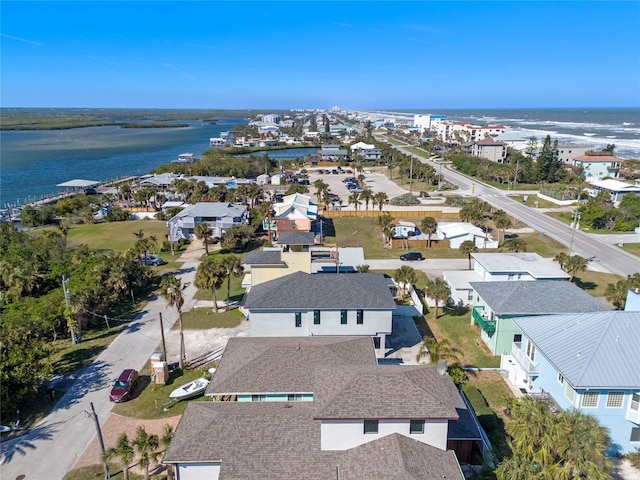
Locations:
{"points": [[496, 304]]}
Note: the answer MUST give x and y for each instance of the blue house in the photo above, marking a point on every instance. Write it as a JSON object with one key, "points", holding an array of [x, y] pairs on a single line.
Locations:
{"points": [[589, 361]]}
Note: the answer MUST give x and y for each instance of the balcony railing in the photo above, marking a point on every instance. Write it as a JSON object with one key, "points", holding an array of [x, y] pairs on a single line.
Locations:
{"points": [[485, 324], [525, 362]]}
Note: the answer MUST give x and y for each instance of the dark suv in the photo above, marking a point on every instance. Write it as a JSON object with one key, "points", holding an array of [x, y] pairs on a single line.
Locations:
{"points": [[411, 256], [123, 388]]}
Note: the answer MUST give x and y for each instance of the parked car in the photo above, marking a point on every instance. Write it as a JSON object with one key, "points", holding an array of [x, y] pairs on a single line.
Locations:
{"points": [[123, 387], [334, 171], [356, 189], [152, 260], [333, 196], [411, 256]]}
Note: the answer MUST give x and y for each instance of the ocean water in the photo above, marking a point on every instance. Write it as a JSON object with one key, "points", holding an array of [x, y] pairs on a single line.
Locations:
{"points": [[593, 127], [32, 163]]}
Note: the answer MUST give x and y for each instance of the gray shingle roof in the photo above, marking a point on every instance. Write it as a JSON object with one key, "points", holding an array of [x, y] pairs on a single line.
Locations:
{"points": [[590, 350], [536, 297], [322, 291], [256, 364], [263, 257], [391, 391], [296, 238], [275, 440]]}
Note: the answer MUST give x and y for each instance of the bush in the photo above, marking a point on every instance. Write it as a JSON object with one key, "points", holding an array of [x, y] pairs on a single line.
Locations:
{"points": [[634, 458], [406, 199], [486, 416]]}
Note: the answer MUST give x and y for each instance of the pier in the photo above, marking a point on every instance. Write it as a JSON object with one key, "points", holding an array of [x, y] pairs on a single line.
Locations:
{"points": [[10, 212]]}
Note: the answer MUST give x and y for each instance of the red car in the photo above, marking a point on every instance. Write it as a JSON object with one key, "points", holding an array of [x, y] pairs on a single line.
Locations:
{"points": [[123, 388]]}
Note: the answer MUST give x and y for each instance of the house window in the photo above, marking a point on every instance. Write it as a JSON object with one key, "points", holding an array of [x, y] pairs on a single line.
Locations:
{"points": [[294, 397], [510, 277], [517, 338], [258, 398], [360, 317], [316, 317], [531, 351], [416, 426], [590, 399], [569, 392], [615, 399], [343, 317], [370, 427], [635, 435], [298, 319], [635, 402], [560, 378], [470, 296]]}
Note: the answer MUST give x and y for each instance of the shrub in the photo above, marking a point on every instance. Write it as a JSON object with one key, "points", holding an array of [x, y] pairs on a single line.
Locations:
{"points": [[406, 199], [486, 416], [634, 458]]}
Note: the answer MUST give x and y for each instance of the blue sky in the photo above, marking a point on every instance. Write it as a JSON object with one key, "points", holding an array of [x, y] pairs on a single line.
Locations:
{"points": [[369, 55]]}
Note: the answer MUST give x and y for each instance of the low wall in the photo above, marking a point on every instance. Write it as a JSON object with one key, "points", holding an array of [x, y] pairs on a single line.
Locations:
{"points": [[556, 201]]}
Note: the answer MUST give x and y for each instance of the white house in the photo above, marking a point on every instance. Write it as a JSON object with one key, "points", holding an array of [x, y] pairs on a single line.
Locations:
{"points": [[495, 267], [220, 216], [321, 408], [616, 188], [458, 232], [303, 304]]}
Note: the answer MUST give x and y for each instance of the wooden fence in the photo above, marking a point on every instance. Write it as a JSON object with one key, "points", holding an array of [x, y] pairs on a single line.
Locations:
{"points": [[393, 213], [409, 243]]}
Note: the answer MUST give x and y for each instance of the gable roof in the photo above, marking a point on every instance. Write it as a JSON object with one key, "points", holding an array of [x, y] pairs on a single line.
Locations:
{"points": [[296, 205], [591, 349], [256, 364], [275, 440], [296, 238], [302, 290], [536, 297], [387, 391], [458, 229], [263, 257], [531, 263]]}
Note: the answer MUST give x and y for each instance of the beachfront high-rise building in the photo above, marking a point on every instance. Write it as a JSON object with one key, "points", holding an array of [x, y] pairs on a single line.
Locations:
{"points": [[426, 122]]}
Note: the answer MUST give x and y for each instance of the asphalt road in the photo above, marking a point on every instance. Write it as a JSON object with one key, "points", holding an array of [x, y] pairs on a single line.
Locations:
{"points": [[52, 448], [608, 258]]}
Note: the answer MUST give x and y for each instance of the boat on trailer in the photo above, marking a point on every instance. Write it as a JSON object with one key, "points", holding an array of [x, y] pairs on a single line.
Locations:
{"points": [[189, 390]]}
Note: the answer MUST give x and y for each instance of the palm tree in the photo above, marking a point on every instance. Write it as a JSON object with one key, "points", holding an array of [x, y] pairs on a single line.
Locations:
{"points": [[232, 267], [366, 195], [404, 276], [617, 294], [429, 225], [146, 446], [321, 188], [381, 198], [436, 350], [171, 289], [362, 268], [210, 275], [502, 222], [165, 441], [123, 451], [467, 248], [439, 291], [515, 245], [355, 199], [576, 264], [562, 259], [204, 232]]}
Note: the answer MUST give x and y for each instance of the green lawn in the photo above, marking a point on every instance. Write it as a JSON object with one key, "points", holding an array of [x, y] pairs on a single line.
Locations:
{"points": [[595, 283], [205, 318], [454, 325], [150, 400], [633, 248], [532, 199], [117, 236]]}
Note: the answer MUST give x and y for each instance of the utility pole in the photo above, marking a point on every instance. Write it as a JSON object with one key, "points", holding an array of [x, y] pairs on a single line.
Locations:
{"points": [[575, 223], [164, 345], [100, 440], [411, 176]]}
